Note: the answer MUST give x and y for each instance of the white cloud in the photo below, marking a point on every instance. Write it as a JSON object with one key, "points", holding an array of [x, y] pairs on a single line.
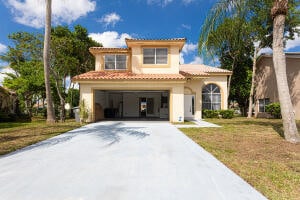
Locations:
{"points": [[2, 48], [162, 3], [4, 70], [186, 2], [31, 12], [197, 60], [293, 43], [265, 51], [188, 49], [110, 19], [186, 26], [110, 38]]}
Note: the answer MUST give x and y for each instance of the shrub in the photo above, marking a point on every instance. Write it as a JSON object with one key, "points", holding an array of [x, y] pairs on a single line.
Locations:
{"points": [[83, 111], [227, 114], [210, 114], [274, 110]]}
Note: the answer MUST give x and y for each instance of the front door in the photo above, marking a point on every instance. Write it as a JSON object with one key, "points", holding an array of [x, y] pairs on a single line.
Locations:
{"points": [[189, 106], [143, 107]]}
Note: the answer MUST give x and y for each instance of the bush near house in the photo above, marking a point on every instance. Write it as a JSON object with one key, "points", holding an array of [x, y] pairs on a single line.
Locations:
{"points": [[210, 114], [274, 110], [225, 114]]}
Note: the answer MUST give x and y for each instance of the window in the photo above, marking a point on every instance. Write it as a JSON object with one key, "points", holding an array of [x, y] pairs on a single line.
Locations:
{"points": [[262, 104], [115, 62], [211, 97], [155, 56]]}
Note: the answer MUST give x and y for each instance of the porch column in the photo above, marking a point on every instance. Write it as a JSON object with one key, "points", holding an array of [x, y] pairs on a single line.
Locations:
{"points": [[177, 104], [87, 94]]}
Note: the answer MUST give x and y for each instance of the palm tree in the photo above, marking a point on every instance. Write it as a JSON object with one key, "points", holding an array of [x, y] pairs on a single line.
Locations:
{"points": [[46, 57], [279, 12], [231, 8]]}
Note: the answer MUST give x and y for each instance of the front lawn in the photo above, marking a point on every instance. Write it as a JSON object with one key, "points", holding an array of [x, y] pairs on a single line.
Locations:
{"points": [[254, 149], [14, 135]]}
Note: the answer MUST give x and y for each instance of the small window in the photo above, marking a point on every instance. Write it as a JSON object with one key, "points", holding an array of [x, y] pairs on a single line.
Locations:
{"points": [[262, 104], [115, 62], [155, 55]]}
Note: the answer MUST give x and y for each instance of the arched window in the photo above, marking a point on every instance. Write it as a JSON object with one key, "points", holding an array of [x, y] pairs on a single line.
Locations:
{"points": [[211, 97]]}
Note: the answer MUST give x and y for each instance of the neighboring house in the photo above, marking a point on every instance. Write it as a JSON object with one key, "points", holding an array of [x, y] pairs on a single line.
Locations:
{"points": [[266, 86], [145, 80], [7, 100]]}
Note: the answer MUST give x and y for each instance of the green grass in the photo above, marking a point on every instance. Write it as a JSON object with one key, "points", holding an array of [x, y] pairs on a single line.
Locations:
{"points": [[15, 135], [255, 149], [186, 122]]}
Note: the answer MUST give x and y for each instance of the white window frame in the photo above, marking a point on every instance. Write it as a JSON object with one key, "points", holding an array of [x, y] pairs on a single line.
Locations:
{"points": [[262, 103], [155, 56], [210, 94], [115, 61]]}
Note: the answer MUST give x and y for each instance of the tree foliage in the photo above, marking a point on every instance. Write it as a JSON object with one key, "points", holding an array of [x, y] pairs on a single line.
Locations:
{"points": [[69, 56]]}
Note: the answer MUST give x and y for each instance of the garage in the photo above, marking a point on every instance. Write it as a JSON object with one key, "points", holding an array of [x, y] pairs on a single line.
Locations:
{"points": [[115, 104]]}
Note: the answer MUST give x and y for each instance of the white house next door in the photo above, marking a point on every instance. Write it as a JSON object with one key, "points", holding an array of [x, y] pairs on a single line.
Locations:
{"points": [[189, 106]]}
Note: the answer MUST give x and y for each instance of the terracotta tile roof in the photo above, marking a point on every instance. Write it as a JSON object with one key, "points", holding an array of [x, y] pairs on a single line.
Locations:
{"points": [[104, 75], [108, 48], [152, 39], [201, 70]]}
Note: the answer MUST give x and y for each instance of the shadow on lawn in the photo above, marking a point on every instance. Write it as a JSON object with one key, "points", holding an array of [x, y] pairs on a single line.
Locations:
{"points": [[110, 133], [276, 125]]}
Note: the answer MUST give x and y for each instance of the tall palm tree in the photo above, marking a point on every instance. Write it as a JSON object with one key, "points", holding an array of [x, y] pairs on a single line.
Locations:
{"points": [[46, 57], [231, 8], [279, 12]]}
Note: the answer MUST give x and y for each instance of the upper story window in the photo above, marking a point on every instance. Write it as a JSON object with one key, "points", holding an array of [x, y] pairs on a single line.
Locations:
{"points": [[115, 62], [155, 55]]}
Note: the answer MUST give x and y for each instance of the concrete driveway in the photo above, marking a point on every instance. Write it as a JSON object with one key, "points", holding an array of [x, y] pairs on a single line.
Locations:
{"points": [[119, 160]]}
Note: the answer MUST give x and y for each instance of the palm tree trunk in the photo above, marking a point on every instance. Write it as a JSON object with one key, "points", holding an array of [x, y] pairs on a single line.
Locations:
{"points": [[252, 84], [229, 79], [288, 115], [50, 109]]}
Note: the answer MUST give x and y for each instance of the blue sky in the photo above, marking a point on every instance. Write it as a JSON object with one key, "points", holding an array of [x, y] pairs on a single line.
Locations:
{"points": [[111, 21]]}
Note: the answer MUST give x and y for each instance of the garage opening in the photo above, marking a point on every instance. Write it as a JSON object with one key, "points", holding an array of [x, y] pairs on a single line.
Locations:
{"points": [[113, 104]]}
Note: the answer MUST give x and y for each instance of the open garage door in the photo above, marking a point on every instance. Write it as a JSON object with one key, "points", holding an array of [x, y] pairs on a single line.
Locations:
{"points": [[113, 104]]}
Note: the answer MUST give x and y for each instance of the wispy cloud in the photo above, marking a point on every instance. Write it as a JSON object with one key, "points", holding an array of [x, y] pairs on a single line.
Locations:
{"points": [[31, 12], [188, 49], [197, 60], [110, 38], [186, 2], [3, 48], [161, 3], [186, 26], [110, 19]]}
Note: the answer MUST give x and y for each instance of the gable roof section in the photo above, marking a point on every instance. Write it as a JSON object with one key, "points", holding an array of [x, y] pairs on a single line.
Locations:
{"points": [[95, 50], [142, 41], [104, 75], [201, 70]]}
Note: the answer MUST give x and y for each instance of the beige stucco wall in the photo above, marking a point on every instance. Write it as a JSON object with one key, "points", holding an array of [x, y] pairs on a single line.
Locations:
{"points": [[176, 93], [195, 87], [266, 86], [171, 68]]}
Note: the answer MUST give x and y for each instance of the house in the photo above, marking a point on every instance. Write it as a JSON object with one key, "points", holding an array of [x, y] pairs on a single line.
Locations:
{"points": [[266, 86], [7, 100], [146, 80]]}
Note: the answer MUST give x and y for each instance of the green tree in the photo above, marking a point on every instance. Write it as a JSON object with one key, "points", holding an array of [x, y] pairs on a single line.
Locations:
{"points": [[275, 28], [69, 56], [25, 58]]}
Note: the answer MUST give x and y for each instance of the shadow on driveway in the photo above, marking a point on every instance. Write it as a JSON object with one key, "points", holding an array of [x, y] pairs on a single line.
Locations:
{"points": [[112, 133]]}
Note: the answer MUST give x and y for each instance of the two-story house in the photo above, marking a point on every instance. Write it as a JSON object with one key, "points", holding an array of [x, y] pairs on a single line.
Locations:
{"points": [[146, 80]]}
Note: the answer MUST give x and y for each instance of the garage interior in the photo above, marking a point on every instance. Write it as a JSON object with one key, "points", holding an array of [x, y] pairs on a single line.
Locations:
{"points": [[113, 104]]}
